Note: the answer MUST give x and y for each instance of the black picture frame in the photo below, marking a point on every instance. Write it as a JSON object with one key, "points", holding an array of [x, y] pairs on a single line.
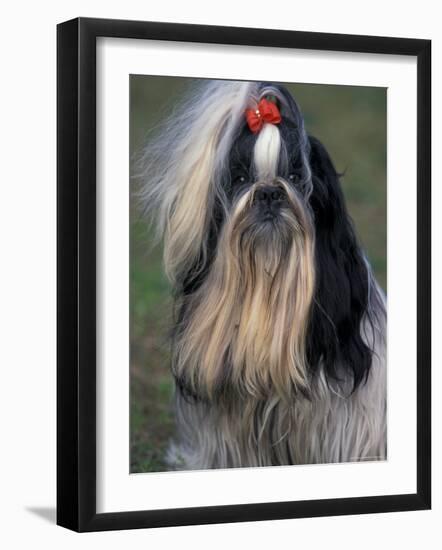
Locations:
{"points": [[76, 273]]}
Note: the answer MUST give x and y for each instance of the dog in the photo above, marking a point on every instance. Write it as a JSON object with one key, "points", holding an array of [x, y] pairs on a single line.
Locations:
{"points": [[279, 336]]}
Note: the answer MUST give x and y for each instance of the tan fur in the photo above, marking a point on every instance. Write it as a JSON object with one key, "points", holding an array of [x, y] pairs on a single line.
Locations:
{"points": [[187, 220], [333, 425], [247, 322]]}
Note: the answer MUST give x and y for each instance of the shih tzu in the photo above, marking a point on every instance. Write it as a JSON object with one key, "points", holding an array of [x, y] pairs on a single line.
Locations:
{"points": [[278, 346]]}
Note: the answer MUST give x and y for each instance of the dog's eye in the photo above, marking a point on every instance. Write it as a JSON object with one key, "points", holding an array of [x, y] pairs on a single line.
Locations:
{"points": [[239, 180], [293, 178]]}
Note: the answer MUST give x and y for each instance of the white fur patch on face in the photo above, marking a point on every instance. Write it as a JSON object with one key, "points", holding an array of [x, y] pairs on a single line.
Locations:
{"points": [[266, 152]]}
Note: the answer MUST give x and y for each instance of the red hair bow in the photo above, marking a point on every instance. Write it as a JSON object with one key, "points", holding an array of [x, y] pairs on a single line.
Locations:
{"points": [[267, 111]]}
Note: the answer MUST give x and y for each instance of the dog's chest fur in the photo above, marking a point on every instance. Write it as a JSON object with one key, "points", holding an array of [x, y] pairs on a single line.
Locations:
{"points": [[328, 427]]}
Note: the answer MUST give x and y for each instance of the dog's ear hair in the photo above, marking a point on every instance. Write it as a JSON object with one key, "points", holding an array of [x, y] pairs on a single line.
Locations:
{"points": [[342, 288], [181, 168]]}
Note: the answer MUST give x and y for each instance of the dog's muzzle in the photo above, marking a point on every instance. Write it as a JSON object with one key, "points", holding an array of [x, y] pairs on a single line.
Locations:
{"points": [[268, 200]]}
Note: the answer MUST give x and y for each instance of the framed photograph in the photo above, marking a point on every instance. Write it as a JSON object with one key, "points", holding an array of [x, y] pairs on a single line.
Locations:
{"points": [[243, 274]]}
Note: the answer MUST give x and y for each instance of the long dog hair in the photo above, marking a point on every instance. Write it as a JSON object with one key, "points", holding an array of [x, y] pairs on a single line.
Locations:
{"points": [[278, 348]]}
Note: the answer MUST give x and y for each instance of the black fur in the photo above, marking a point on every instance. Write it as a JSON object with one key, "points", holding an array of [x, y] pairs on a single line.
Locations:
{"points": [[341, 298]]}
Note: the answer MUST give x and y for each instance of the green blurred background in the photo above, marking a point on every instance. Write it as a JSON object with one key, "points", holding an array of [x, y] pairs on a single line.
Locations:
{"points": [[350, 121]]}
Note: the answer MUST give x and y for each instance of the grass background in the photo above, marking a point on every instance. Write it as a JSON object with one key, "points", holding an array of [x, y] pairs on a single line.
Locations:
{"points": [[351, 122]]}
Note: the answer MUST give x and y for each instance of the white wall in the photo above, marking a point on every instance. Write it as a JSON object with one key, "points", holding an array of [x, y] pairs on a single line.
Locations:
{"points": [[27, 272]]}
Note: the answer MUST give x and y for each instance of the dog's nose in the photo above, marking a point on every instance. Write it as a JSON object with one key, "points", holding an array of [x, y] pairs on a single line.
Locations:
{"points": [[269, 194]]}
